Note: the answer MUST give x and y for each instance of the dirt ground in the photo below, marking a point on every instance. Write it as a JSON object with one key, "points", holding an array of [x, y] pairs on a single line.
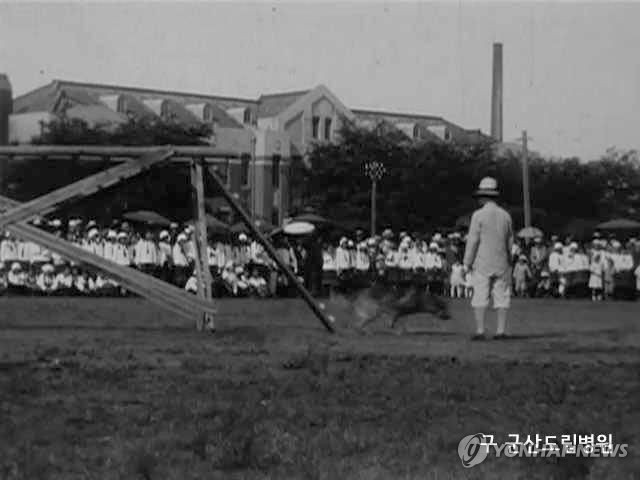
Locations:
{"points": [[117, 389]]}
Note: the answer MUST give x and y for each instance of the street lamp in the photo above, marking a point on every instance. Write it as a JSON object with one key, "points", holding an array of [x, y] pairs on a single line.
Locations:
{"points": [[375, 170]]}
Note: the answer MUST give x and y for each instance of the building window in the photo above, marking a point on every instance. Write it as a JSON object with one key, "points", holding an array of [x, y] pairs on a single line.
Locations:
{"points": [[416, 132], [327, 129], [275, 171], [244, 171], [275, 216], [207, 113], [247, 116], [315, 127], [447, 135]]}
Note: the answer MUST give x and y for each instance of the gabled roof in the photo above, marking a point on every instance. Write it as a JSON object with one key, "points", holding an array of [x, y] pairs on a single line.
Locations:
{"points": [[272, 104], [47, 98]]}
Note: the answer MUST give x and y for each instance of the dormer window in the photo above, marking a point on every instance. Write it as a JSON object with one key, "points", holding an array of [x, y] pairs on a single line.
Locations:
{"points": [[315, 127], [247, 116]]}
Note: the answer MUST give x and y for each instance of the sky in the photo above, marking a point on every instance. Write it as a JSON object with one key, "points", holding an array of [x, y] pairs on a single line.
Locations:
{"points": [[571, 70]]}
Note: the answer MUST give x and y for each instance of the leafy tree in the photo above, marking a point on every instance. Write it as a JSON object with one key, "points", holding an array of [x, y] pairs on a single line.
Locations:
{"points": [[428, 185], [166, 190]]}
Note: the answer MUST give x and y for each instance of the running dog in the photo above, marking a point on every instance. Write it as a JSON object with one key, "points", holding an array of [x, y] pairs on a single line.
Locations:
{"points": [[372, 302]]}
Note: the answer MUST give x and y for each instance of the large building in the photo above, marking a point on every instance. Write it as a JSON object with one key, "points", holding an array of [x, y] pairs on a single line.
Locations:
{"points": [[267, 134]]}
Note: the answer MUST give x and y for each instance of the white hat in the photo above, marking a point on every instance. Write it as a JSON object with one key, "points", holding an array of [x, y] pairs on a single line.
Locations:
{"points": [[122, 235], [242, 237], [91, 223], [488, 187], [350, 244], [557, 246], [433, 246], [616, 244], [173, 225], [92, 233], [55, 223], [15, 266], [112, 234], [573, 246], [47, 268], [344, 241], [371, 242], [387, 233], [182, 237], [437, 237], [163, 234]]}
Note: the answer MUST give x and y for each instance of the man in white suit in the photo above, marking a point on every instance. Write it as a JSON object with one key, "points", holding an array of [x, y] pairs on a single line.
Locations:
{"points": [[488, 256]]}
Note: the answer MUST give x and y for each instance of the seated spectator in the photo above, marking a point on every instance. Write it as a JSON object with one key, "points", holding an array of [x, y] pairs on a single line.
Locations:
{"points": [[257, 284], [17, 279], [3, 279], [64, 281], [46, 281], [192, 283], [544, 287]]}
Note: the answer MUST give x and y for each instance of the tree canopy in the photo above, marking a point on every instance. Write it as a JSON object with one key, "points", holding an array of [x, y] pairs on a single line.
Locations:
{"points": [[429, 185]]}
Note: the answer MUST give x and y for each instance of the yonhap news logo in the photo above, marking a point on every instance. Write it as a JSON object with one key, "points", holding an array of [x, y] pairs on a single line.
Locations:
{"points": [[474, 449]]}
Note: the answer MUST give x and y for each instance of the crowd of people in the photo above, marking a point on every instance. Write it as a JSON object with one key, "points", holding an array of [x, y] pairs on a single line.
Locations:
{"points": [[601, 268]]}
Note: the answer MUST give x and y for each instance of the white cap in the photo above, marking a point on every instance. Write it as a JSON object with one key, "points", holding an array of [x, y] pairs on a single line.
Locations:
{"points": [[433, 246], [242, 237], [122, 235], [92, 233], [557, 246], [163, 234], [47, 268], [112, 234], [55, 223], [182, 237], [15, 266], [350, 243]]}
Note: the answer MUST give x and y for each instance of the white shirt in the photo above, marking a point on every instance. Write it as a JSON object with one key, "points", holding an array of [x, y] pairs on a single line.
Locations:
{"points": [[343, 259], [8, 251], [179, 256], [121, 254], [556, 263], [432, 261], [145, 253]]}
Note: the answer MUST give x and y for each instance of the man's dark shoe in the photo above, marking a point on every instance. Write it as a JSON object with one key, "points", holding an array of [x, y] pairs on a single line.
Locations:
{"points": [[478, 337], [501, 336]]}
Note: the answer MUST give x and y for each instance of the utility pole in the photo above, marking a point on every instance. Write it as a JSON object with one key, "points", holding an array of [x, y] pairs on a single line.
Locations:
{"points": [[525, 180]]}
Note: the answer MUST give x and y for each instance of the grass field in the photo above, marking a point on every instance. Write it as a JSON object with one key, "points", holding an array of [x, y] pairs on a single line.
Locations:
{"points": [[117, 389]]}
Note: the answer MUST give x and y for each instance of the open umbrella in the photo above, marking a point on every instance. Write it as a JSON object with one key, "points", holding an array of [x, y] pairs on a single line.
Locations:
{"points": [[529, 232], [299, 228], [214, 225], [147, 216], [619, 224]]}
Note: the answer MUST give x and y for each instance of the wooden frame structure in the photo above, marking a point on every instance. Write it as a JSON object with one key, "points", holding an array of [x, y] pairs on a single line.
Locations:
{"points": [[133, 161]]}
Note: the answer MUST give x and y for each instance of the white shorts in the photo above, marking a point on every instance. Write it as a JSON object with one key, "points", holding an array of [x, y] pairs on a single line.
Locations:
{"points": [[496, 287]]}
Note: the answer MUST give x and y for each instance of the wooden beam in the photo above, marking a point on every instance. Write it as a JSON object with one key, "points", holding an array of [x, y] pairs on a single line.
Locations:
{"points": [[182, 154], [84, 187], [306, 296], [200, 240]]}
